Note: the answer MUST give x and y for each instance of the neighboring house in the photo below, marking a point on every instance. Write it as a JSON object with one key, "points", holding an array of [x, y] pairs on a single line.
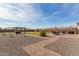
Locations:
{"points": [[63, 30]]}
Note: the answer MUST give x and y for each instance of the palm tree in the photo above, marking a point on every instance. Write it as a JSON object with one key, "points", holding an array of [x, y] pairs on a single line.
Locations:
{"points": [[78, 23], [76, 28], [24, 30]]}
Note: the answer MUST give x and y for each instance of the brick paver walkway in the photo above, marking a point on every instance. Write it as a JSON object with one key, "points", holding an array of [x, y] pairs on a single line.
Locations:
{"points": [[38, 49]]}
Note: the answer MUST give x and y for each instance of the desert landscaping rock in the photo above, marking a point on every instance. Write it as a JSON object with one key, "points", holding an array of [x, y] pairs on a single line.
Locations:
{"points": [[13, 46]]}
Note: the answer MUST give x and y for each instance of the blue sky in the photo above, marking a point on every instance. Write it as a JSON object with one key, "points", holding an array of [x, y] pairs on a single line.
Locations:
{"points": [[42, 15]]}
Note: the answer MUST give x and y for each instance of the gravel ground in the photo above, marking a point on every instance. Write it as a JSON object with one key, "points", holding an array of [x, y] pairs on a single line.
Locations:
{"points": [[66, 46], [12, 45]]}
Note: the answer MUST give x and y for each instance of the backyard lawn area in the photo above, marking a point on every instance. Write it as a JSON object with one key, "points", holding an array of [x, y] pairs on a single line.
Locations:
{"points": [[36, 33], [32, 33]]}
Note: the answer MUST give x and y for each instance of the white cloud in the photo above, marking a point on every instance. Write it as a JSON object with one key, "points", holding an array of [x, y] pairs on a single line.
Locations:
{"points": [[19, 12]]}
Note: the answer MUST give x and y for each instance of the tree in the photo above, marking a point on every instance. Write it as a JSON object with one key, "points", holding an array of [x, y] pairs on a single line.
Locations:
{"points": [[37, 30], [78, 23]]}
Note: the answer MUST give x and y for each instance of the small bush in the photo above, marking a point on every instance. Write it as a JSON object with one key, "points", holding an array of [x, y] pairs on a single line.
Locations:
{"points": [[43, 33]]}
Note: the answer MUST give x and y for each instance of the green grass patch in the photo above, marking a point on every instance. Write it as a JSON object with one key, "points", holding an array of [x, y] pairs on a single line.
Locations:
{"points": [[32, 33], [37, 33]]}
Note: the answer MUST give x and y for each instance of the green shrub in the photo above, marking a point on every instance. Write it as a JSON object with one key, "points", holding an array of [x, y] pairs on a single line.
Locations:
{"points": [[43, 33]]}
